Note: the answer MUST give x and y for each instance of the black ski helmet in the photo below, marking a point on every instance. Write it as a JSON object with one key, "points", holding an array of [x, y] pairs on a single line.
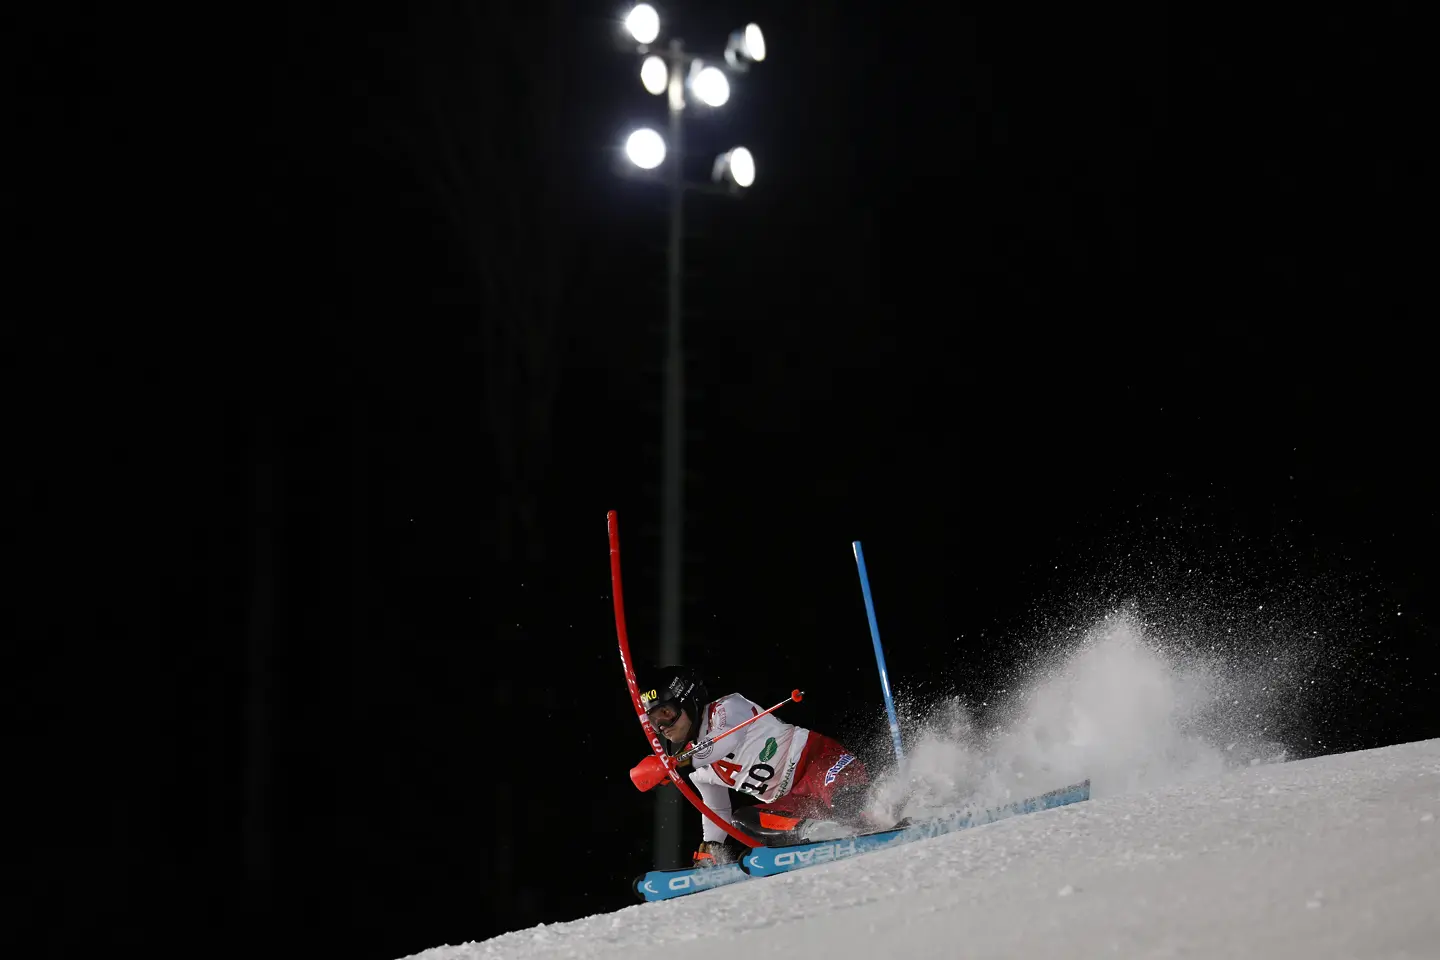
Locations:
{"points": [[682, 686]]}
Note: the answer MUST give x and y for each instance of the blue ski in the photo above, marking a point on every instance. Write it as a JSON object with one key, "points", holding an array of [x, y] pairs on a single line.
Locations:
{"points": [[764, 861], [668, 884]]}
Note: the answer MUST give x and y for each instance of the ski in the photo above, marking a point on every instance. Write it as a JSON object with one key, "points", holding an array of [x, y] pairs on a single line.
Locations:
{"points": [[660, 885], [765, 861], [668, 884]]}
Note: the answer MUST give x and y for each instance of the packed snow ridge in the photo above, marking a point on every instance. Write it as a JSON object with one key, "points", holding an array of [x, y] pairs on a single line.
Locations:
{"points": [[1335, 856], [1199, 839]]}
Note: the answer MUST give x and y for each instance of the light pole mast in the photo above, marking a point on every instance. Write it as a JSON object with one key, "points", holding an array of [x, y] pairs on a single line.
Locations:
{"points": [[673, 73], [667, 813], [674, 435]]}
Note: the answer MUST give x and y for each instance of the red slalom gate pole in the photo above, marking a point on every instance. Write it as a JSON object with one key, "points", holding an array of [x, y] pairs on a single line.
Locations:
{"points": [[661, 757]]}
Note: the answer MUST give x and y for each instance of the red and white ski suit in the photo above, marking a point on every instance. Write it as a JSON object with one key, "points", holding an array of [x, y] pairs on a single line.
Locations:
{"points": [[792, 767]]}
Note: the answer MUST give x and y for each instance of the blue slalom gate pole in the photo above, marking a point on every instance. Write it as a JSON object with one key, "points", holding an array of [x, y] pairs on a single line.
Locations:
{"points": [[879, 652]]}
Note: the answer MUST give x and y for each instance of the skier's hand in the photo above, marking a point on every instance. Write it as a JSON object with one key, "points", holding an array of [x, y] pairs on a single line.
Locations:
{"points": [[713, 853]]}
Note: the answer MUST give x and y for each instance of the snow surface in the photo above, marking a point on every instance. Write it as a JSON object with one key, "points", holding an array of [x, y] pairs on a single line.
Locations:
{"points": [[1335, 856]]}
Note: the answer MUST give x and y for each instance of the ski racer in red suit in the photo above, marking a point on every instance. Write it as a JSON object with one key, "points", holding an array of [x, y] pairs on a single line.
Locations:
{"points": [[804, 781]]}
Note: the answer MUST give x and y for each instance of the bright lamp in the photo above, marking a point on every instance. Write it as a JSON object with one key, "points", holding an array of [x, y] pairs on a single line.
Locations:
{"points": [[742, 167], [643, 23], [655, 74], [711, 86], [645, 148], [754, 42], [745, 47], [737, 166]]}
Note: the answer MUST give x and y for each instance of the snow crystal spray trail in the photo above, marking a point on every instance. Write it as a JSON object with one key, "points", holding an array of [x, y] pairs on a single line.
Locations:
{"points": [[1117, 709]]}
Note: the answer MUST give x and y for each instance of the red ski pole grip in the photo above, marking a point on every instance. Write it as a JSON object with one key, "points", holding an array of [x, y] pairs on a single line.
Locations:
{"points": [[648, 773]]}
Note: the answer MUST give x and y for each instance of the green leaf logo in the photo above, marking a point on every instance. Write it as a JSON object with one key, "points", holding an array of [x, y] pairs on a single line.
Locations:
{"points": [[768, 750]]}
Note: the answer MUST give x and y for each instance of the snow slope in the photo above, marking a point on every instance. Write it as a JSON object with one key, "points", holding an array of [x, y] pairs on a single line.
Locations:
{"points": [[1335, 856]]}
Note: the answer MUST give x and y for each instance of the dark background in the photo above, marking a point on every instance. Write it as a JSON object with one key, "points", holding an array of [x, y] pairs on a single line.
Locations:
{"points": [[332, 335]]}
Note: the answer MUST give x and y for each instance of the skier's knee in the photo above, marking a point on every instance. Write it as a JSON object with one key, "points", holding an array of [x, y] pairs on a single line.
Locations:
{"points": [[765, 824]]}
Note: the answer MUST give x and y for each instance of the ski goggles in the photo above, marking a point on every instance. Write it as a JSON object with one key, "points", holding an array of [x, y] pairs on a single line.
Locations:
{"points": [[664, 714]]}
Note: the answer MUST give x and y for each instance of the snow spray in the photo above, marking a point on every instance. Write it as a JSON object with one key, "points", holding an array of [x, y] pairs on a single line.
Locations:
{"points": [[1116, 708]]}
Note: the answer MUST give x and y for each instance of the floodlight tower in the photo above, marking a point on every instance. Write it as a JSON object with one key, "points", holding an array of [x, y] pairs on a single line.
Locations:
{"points": [[673, 72]]}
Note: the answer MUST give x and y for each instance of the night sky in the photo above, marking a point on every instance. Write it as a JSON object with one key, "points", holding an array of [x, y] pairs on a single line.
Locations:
{"points": [[332, 334]]}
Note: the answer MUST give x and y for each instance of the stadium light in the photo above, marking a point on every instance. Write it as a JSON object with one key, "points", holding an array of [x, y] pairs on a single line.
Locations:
{"points": [[745, 47], [669, 68], [710, 86], [655, 75], [643, 23], [754, 42], [737, 166], [645, 148]]}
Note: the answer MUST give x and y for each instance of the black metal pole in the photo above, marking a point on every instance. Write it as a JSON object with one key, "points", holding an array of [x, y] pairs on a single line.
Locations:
{"points": [[667, 813]]}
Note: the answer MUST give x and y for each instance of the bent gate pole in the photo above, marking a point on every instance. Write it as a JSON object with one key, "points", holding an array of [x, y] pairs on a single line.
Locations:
{"points": [[628, 664]]}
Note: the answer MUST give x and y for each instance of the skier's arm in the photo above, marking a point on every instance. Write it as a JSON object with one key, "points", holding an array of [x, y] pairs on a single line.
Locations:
{"points": [[717, 797]]}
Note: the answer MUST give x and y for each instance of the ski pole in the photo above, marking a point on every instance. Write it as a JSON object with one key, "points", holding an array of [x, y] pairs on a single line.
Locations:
{"points": [[651, 771], [682, 756]]}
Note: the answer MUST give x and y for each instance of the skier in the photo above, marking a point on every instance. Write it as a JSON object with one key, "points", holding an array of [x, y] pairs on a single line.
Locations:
{"points": [[804, 782]]}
